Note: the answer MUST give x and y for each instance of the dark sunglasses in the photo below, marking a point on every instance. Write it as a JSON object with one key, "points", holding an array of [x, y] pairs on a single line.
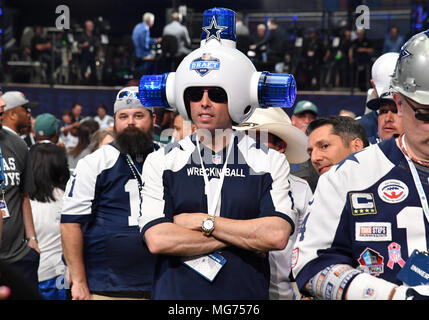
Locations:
{"points": [[421, 114], [216, 94], [126, 94]]}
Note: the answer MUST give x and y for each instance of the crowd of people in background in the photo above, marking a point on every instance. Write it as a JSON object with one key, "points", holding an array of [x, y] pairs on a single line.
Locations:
{"points": [[319, 58], [312, 145]]}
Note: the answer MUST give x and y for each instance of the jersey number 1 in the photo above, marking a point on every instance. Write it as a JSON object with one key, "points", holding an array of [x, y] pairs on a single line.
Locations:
{"points": [[412, 219], [132, 188]]}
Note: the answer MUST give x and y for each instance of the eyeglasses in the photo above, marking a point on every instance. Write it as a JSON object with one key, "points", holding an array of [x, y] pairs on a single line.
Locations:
{"points": [[386, 111], [125, 94], [216, 94], [421, 114]]}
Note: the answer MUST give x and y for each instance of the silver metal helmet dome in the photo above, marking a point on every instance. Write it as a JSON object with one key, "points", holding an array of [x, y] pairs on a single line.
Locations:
{"points": [[410, 77]]}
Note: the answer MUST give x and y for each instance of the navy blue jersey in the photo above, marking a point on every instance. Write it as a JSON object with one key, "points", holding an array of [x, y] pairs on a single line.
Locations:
{"points": [[366, 213], [255, 186], [103, 196]]}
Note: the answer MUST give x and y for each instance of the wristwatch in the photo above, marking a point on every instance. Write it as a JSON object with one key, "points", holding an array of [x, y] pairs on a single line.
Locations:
{"points": [[208, 225], [32, 238]]}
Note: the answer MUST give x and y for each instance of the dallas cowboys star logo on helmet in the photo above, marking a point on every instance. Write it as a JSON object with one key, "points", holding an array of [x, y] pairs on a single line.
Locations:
{"points": [[213, 30], [403, 54]]}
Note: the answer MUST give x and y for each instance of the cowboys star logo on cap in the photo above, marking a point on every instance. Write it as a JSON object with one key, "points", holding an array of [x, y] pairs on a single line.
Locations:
{"points": [[213, 30]]}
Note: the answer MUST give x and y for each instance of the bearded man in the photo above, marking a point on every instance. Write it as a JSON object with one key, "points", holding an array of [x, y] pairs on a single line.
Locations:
{"points": [[99, 228]]}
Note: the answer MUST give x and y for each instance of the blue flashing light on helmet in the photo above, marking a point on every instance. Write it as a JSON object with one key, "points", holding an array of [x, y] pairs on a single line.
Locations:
{"points": [[152, 91], [276, 90], [218, 23]]}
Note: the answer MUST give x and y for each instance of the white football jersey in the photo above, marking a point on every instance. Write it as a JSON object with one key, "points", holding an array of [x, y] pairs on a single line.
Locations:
{"points": [[366, 212]]}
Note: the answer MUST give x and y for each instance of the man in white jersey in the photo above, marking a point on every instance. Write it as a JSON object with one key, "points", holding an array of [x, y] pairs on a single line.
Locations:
{"points": [[273, 127], [365, 234]]}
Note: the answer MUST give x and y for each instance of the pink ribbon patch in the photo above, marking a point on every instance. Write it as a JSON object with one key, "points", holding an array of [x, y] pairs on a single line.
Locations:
{"points": [[394, 250]]}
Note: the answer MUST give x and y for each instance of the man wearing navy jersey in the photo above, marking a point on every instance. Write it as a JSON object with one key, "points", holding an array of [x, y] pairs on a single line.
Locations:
{"points": [[369, 213], [101, 241], [215, 202]]}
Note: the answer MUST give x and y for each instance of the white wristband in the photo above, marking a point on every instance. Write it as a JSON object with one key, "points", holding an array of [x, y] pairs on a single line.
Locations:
{"points": [[329, 284], [367, 287]]}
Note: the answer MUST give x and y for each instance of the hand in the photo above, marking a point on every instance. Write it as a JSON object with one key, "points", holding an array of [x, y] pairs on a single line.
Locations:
{"points": [[411, 293], [191, 221], [79, 291], [33, 244], [4, 292], [252, 47]]}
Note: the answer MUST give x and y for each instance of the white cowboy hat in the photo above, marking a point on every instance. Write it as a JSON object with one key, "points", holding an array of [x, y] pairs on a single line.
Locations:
{"points": [[278, 123]]}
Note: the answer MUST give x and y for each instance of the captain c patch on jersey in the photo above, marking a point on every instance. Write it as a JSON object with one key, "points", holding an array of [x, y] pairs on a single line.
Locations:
{"points": [[362, 204]]}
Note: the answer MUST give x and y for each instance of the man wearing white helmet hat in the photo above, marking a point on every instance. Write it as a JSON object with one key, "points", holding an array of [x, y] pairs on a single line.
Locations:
{"points": [[215, 202], [101, 242], [372, 207], [381, 73], [389, 122]]}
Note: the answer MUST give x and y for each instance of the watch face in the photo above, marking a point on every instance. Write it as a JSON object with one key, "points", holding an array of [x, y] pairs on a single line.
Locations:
{"points": [[208, 224]]}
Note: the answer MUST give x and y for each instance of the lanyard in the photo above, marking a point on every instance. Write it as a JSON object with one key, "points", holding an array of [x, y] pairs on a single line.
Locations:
{"points": [[3, 186], [132, 165], [134, 171], [417, 182], [211, 205]]}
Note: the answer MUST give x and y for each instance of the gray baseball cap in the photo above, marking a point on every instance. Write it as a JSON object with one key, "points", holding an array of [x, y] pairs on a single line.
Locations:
{"points": [[128, 98], [16, 99]]}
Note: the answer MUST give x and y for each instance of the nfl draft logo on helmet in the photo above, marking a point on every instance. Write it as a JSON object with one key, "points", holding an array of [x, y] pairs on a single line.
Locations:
{"points": [[205, 64]]}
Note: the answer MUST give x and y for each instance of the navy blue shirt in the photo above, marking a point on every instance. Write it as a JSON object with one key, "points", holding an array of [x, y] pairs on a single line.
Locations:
{"points": [[255, 186], [103, 196]]}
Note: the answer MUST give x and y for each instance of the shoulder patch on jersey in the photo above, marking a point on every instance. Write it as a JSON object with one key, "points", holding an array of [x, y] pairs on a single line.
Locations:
{"points": [[392, 191], [362, 203]]}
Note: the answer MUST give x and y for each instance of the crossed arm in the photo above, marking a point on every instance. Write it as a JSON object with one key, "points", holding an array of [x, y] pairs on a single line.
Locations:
{"points": [[184, 236]]}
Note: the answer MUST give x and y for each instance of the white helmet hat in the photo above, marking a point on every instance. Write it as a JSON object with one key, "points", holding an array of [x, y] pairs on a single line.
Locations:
{"points": [[229, 65], [410, 77], [217, 63], [382, 70]]}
